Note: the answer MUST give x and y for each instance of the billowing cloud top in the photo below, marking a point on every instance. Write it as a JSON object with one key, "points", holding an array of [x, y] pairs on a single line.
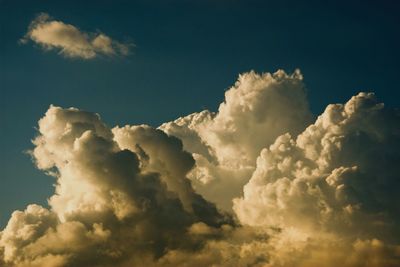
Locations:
{"points": [[255, 184], [70, 41]]}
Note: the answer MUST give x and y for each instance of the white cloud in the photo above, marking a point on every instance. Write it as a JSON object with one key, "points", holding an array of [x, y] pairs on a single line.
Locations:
{"points": [[336, 181], [225, 144], [70, 41], [303, 194], [111, 205]]}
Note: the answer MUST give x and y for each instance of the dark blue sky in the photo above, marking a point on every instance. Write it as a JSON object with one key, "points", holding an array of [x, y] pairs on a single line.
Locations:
{"points": [[187, 54]]}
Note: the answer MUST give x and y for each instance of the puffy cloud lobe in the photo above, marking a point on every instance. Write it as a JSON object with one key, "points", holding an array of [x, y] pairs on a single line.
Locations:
{"points": [[337, 179], [72, 42], [267, 104], [111, 205], [162, 154], [256, 110]]}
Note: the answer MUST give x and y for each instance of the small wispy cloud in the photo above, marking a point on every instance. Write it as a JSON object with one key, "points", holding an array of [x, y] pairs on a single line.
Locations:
{"points": [[70, 41]]}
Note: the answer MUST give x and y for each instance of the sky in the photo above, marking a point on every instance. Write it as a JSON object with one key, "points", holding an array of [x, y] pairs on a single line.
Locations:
{"points": [[172, 58]]}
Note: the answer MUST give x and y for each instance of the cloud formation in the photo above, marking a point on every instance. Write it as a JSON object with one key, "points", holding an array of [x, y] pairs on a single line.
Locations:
{"points": [[334, 183], [111, 205], [70, 41], [255, 184], [225, 144]]}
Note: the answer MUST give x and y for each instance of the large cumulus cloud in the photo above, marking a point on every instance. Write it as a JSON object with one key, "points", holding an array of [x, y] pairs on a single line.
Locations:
{"points": [[111, 205], [225, 144], [293, 192], [336, 182]]}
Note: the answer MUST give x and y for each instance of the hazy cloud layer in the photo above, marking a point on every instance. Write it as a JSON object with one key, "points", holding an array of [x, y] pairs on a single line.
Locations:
{"points": [[294, 192], [70, 41]]}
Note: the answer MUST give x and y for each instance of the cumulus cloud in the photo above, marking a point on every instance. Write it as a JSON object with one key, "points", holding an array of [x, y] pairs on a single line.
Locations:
{"points": [[256, 183], [111, 204], [72, 42], [225, 144], [337, 181]]}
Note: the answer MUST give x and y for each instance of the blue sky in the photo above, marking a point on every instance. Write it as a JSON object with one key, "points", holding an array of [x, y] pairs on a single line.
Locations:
{"points": [[187, 53]]}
